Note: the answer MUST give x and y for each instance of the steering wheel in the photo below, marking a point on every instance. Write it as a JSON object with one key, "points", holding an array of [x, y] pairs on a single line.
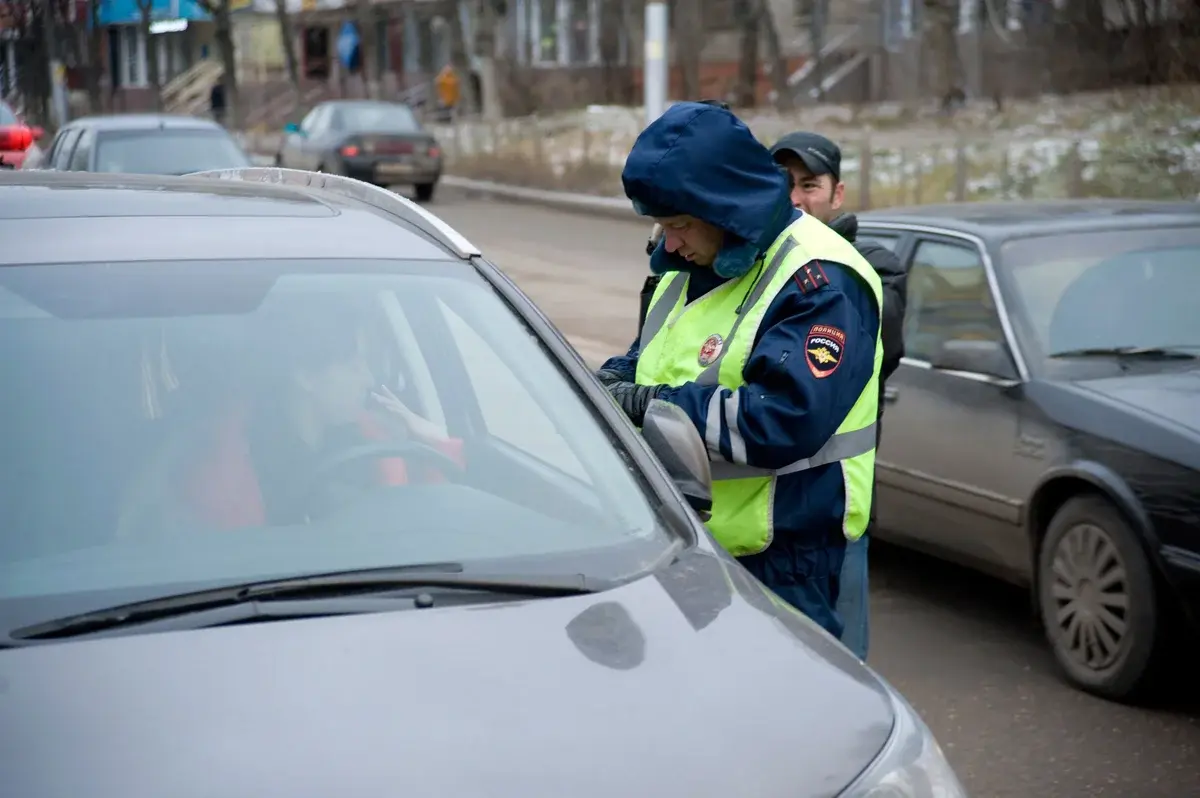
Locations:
{"points": [[410, 450]]}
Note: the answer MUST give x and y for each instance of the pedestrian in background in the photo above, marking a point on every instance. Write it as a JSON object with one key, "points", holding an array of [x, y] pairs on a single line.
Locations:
{"points": [[815, 165]]}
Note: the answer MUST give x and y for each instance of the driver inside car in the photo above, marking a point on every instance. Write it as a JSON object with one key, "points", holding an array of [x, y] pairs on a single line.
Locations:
{"points": [[301, 448]]}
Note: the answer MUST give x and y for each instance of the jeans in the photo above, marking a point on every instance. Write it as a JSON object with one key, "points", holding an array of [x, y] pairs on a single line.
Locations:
{"points": [[852, 598]]}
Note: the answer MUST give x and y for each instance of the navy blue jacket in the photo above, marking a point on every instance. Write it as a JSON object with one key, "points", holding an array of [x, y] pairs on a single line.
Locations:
{"points": [[702, 161]]}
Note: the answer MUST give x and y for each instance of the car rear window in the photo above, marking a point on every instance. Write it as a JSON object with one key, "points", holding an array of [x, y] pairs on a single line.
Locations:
{"points": [[7, 117], [167, 152]]}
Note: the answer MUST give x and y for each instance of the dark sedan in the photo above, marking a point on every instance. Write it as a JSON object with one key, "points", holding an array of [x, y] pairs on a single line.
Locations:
{"points": [[301, 496], [377, 142], [1045, 423], [149, 144]]}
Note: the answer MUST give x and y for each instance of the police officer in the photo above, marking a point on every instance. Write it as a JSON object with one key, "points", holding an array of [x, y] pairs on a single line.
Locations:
{"points": [[815, 165], [765, 331]]}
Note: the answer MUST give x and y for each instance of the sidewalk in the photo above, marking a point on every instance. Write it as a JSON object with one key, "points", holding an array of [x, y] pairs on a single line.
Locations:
{"points": [[611, 207]]}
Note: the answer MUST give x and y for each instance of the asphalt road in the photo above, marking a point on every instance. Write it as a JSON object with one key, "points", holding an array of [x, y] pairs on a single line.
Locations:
{"points": [[963, 649]]}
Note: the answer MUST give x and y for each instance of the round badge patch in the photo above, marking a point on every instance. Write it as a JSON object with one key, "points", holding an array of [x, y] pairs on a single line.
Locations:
{"points": [[710, 350]]}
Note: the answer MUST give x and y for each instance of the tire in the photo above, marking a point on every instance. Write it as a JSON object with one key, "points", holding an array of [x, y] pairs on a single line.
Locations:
{"points": [[278, 159], [1090, 557], [425, 191]]}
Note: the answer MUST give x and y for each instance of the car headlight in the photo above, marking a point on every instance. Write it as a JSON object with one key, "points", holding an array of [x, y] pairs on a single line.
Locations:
{"points": [[911, 764]]}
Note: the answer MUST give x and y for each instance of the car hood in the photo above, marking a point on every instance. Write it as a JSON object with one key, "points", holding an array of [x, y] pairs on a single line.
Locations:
{"points": [[691, 682], [1172, 397]]}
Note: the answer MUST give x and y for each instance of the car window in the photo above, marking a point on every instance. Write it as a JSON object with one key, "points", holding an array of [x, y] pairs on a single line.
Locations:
{"points": [[62, 149], [948, 299], [374, 118], [530, 432], [168, 152], [888, 241], [7, 117], [308, 122], [81, 157], [173, 425], [1107, 289]]}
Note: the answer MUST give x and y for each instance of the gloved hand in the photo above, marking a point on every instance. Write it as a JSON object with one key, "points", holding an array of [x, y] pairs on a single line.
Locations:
{"points": [[634, 398], [608, 378]]}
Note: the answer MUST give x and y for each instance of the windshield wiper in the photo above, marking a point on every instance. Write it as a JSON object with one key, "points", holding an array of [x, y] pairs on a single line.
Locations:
{"points": [[319, 589], [1150, 352]]}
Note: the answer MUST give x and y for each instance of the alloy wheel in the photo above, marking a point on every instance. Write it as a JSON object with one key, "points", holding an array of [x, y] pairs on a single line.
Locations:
{"points": [[1090, 590]]}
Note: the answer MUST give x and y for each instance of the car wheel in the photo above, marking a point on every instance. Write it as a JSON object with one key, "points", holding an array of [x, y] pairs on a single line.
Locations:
{"points": [[1098, 600], [278, 159], [425, 191]]}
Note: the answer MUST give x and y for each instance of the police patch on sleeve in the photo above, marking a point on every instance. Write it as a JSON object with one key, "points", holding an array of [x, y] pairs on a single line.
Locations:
{"points": [[823, 349]]}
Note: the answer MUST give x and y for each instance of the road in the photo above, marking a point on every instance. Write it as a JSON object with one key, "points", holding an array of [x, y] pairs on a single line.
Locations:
{"points": [[963, 649]]}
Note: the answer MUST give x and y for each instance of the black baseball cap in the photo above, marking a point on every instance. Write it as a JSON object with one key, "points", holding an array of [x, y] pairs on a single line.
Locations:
{"points": [[820, 155]]}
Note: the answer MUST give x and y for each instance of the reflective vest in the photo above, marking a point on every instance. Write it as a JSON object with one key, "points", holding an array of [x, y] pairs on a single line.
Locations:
{"points": [[708, 342]]}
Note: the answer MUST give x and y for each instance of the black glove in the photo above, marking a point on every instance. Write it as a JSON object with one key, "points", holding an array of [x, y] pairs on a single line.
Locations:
{"points": [[634, 398], [609, 378]]}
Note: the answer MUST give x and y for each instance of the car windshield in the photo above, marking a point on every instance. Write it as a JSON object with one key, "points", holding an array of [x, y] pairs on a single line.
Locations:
{"points": [[374, 118], [167, 152], [173, 425], [1115, 290], [7, 117]]}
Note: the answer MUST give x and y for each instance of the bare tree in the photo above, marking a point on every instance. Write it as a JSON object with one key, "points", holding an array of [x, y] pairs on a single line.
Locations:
{"points": [[95, 56], [368, 47], [779, 71], [288, 40], [940, 43], [152, 76], [689, 44], [746, 91], [223, 33]]}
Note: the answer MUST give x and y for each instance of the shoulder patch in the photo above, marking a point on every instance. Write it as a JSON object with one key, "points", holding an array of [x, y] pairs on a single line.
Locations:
{"points": [[823, 349], [810, 277]]}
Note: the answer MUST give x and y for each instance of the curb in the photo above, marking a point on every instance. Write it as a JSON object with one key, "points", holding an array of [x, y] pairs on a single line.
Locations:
{"points": [[612, 207]]}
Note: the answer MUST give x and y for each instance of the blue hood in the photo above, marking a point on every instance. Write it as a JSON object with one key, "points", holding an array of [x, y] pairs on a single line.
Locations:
{"points": [[703, 161]]}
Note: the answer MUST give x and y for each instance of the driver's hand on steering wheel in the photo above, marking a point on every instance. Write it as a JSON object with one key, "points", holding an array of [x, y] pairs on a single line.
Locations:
{"points": [[420, 428]]}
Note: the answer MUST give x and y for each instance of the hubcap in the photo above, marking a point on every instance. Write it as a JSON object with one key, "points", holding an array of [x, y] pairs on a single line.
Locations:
{"points": [[1091, 596]]}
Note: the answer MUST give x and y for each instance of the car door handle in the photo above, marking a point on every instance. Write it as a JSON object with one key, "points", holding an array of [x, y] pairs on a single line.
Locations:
{"points": [[890, 394]]}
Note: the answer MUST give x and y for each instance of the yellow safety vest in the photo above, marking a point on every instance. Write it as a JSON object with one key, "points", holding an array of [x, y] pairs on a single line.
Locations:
{"points": [[708, 342]]}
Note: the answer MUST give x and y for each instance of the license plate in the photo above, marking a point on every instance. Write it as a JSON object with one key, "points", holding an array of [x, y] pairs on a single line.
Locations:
{"points": [[393, 169]]}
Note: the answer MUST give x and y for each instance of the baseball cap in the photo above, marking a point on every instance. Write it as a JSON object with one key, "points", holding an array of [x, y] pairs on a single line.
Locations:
{"points": [[819, 154]]}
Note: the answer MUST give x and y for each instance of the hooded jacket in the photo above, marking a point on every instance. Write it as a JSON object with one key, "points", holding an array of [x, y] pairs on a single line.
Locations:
{"points": [[704, 162]]}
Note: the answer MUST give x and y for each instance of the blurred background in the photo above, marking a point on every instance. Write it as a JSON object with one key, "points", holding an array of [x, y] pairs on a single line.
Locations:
{"points": [[932, 100]]}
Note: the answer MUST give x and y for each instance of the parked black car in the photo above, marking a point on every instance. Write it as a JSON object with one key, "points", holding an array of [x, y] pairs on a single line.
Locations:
{"points": [[378, 142], [150, 144], [232, 565], [1045, 423]]}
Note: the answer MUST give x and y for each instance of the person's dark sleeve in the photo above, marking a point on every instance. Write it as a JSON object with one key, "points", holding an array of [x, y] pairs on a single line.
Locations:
{"points": [[895, 297], [625, 366], [793, 400]]}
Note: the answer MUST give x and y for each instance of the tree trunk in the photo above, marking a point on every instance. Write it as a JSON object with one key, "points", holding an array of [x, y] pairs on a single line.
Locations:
{"points": [[746, 92], [611, 23], [288, 40], [95, 56], [941, 45], [152, 76], [224, 37], [816, 38], [485, 47], [368, 51], [691, 44], [779, 71], [469, 101]]}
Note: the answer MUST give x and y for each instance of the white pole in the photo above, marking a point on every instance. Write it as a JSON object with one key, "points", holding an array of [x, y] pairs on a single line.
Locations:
{"points": [[655, 78]]}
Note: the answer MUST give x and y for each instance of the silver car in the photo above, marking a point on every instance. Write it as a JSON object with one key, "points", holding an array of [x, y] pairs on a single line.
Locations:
{"points": [[302, 496]]}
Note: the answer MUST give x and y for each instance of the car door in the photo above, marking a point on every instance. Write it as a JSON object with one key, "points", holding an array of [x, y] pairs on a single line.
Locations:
{"points": [[947, 464], [81, 156], [291, 153]]}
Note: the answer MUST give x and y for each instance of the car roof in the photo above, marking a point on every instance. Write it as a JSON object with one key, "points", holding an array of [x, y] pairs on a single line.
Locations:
{"points": [[996, 222], [247, 214], [145, 122]]}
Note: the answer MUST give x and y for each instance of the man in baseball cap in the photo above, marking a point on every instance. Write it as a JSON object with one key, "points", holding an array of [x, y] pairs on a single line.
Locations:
{"points": [[815, 165]]}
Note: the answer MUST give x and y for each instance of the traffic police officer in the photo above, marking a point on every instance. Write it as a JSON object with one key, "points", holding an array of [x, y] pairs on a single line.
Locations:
{"points": [[765, 331]]}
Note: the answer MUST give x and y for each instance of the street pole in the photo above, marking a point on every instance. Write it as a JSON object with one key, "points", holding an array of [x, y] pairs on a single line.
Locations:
{"points": [[654, 81]]}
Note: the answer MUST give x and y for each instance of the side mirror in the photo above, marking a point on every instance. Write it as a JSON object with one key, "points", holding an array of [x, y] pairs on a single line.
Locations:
{"points": [[291, 127], [37, 133], [982, 357], [673, 437]]}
